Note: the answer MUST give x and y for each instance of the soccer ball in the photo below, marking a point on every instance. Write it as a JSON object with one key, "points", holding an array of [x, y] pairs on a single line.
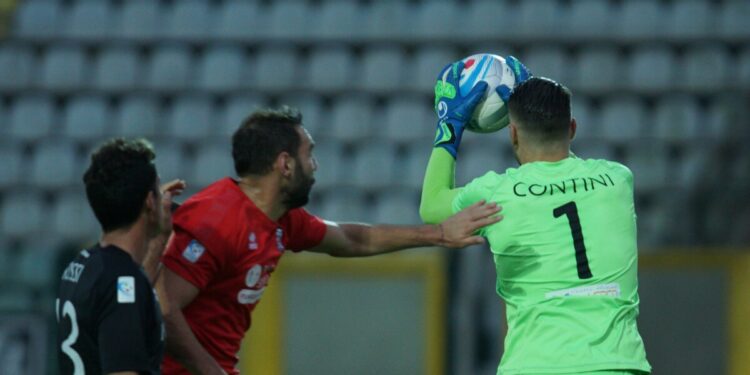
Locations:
{"points": [[491, 113]]}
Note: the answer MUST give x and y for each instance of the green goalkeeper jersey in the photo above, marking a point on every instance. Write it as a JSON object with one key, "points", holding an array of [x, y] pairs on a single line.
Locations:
{"points": [[566, 260]]}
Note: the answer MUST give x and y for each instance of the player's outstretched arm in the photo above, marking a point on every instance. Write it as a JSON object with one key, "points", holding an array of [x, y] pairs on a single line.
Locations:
{"points": [[360, 240]]}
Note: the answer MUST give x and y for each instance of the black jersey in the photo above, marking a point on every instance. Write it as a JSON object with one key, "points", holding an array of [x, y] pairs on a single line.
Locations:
{"points": [[108, 316]]}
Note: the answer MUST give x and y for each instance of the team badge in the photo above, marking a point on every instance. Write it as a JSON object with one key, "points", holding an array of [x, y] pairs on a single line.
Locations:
{"points": [[125, 289], [193, 251], [253, 275]]}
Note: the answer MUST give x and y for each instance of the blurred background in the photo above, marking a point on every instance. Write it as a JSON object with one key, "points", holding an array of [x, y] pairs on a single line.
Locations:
{"points": [[662, 86]]}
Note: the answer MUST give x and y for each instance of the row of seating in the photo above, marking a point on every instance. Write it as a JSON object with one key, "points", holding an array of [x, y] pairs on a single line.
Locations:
{"points": [[433, 20], [223, 68]]}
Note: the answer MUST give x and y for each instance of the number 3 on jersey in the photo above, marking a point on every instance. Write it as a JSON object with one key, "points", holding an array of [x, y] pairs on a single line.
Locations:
{"points": [[67, 345], [582, 262]]}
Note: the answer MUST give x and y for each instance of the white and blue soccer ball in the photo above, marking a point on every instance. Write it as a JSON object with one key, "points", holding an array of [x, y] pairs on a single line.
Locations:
{"points": [[491, 113]]}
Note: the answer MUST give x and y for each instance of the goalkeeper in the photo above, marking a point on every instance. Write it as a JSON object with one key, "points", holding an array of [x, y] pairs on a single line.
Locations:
{"points": [[565, 254]]}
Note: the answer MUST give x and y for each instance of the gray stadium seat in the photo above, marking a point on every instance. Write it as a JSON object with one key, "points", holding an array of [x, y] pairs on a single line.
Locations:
{"points": [[623, 119], [651, 69], [649, 161], [37, 262], [706, 68], [12, 160], [446, 12], [373, 165], [237, 20], [382, 69], [170, 161], [538, 18], [235, 110], [117, 69], [87, 118], [639, 19], [170, 69], [55, 165], [427, 63], [350, 119], [743, 65], [481, 157], [587, 120], [63, 68], [38, 19], [22, 215], [410, 173], [213, 161], [589, 18], [338, 19], [188, 20], [722, 121], [222, 69], [312, 108], [407, 119], [16, 67], [549, 62], [31, 117], [73, 219], [678, 119], [289, 20], [276, 68], [191, 118], [345, 205], [597, 69], [489, 17], [733, 18], [330, 68], [140, 20], [332, 166], [16, 299], [398, 207], [90, 21], [138, 116], [697, 167], [594, 150], [691, 19], [387, 19]]}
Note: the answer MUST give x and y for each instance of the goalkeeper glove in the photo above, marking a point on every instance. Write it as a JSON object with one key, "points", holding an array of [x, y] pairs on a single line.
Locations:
{"points": [[521, 74]]}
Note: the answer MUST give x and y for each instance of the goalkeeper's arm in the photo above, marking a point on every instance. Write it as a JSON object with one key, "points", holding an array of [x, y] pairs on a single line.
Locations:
{"points": [[438, 189]]}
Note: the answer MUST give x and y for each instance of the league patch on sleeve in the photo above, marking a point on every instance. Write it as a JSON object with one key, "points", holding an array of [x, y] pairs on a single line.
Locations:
{"points": [[193, 251], [126, 289]]}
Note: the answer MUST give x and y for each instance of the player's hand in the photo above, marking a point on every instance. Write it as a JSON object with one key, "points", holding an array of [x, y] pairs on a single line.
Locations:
{"points": [[458, 230], [453, 109], [520, 72], [169, 190]]}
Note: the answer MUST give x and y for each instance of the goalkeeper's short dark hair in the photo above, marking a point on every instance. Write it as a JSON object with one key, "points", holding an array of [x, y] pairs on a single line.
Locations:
{"points": [[542, 107], [262, 137], [121, 174]]}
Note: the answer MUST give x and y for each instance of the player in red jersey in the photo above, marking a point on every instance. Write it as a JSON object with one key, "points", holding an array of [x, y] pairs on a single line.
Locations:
{"points": [[229, 238]]}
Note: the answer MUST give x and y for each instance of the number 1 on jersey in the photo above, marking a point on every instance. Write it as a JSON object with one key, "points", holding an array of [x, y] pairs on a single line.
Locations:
{"points": [[582, 262]]}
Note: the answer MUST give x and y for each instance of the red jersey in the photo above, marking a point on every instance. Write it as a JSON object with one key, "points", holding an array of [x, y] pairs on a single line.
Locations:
{"points": [[227, 247]]}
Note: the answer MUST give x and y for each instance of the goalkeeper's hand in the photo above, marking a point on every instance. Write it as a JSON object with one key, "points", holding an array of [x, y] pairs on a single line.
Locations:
{"points": [[521, 74], [453, 109]]}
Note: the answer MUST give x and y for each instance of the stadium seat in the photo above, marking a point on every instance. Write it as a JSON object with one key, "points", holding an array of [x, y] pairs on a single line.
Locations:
{"points": [[140, 20], [332, 164], [589, 19], [408, 119], [38, 19], [489, 17], [690, 19], [170, 69], [22, 215], [12, 160], [16, 299], [170, 160], [697, 167], [16, 67], [649, 161], [678, 119], [445, 12], [338, 20], [410, 173], [222, 69], [350, 119], [549, 62], [537, 19], [237, 21], [89, 21], [117, 69], [345, 204], [725, 118], [138, 116], [276, 68], [55, 165], [213, 161], [397, 207], [651, 69], [188, 20], [639, 19], [330, 68], [63, 68], [73, 219], [313, 110], [587, 120], [31, 117], [191, 118], [287, 20], [37, 262], [420, 74], [593, 150], [387, 20], [382, 68], [623, 119], [235, 110], [732, 21], [597, 69], [743, 66], [87, 118], [373, 165], [702, 59], [481, 157]]}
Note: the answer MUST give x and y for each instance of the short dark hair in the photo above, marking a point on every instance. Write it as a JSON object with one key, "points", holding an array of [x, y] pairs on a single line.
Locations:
{"points": [[120, 176], [542, 107], [262, 137]]}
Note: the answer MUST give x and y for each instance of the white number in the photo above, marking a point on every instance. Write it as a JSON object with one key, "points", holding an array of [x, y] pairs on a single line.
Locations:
{"points": [[67, 345]]}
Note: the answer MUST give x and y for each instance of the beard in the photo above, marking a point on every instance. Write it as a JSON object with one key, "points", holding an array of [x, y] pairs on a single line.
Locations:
{"points": [[298, 194]]}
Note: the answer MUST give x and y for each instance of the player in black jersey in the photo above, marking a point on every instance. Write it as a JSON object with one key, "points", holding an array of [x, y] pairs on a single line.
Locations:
{"points": [[109, 320]]}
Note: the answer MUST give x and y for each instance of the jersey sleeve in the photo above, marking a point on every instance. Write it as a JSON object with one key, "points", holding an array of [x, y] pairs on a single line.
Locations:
{"points": [[191, 260], [123, 324], [306, 230]]}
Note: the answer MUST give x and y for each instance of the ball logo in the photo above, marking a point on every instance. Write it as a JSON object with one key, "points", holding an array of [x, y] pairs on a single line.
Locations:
{"points": [[442, 109]]}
